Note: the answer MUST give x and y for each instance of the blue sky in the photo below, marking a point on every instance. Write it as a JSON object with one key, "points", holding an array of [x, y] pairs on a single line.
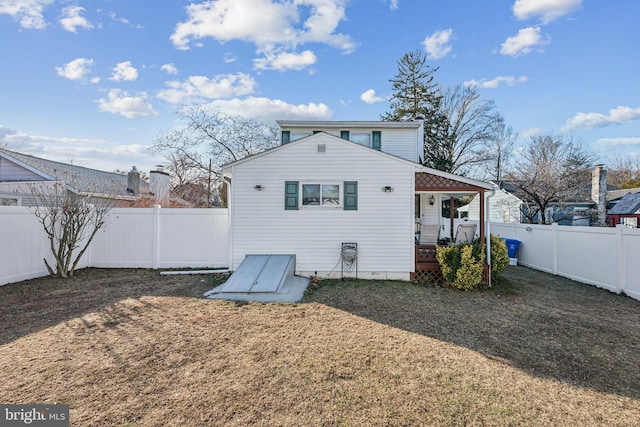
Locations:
{"points": [[96, 81]]}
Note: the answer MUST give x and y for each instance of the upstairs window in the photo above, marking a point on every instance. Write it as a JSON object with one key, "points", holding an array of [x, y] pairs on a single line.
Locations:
{"points": [[361, 138], [299, 135], [373, 139]]}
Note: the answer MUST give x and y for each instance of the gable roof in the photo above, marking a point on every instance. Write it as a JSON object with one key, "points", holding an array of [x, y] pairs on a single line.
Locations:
{"points": [[308, 139], [80, 179], [629, 204]]}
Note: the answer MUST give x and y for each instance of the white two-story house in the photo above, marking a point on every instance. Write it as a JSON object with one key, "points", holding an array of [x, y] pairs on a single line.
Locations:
{"points": [[331, 183]]}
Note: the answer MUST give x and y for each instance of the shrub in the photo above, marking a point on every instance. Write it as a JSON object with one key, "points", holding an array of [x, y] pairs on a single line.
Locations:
{"points": [[461, 265], [499, 256]]}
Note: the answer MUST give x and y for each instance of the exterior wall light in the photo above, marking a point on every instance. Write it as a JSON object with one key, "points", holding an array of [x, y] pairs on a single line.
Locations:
{"points": [[387, 189], [258, 187], [432, 200]]}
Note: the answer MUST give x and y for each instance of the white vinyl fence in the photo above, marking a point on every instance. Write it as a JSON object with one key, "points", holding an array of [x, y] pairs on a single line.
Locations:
{"points": [[605, 257], [199, 238], [133, 238]]}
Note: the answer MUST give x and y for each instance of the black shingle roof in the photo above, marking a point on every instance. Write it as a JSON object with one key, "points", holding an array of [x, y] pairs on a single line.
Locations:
{"points": [[627, 205]]}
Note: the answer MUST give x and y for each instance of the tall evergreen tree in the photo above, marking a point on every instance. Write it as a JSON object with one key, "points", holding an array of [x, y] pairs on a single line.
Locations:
{"points": [[416, 95]]}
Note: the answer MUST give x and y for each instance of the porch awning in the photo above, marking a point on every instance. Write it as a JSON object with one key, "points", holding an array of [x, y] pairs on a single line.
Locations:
{"points": [[426, 181]]}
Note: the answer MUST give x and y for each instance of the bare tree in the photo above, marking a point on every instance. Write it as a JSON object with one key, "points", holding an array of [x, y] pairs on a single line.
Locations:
{"points": [[624, 171], [472, 123], [207, 139], [70, 222], [498, 152], [552, 170]]}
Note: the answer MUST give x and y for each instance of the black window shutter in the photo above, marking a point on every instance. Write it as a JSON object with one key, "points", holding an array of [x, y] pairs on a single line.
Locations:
{"points": [[351, 195], [291, 195]]}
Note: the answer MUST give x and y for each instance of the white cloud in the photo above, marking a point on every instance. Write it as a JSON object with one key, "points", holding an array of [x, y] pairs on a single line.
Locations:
{"points": [[124, 71], [286, 61], [546, 10], [199, 88], [71, 19], [494, 83], [523, 43], [272, 109], [76, 69], [229, 58], [369, 97], [120, 102], [438, 45], [616, 142], [530, 132], [618, 115], [27, 12], [226, 20], [394, 4], [94, 153], [112, 15], [169, 68]]}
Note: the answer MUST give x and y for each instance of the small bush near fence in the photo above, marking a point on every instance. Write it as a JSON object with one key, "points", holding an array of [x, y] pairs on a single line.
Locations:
{"points": [[462, 265]]}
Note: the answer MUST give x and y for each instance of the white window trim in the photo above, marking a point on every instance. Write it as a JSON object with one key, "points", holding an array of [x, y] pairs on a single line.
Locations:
{"points": [[321, 206]]}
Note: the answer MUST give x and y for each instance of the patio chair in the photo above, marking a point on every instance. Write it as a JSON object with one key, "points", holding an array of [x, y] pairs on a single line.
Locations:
{"points": [[429, 234], [465, 233]]}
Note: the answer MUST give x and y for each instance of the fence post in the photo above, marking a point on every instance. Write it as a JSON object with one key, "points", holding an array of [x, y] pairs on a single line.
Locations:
{"points": [[156, 236], [621, 276], [554, 250]]}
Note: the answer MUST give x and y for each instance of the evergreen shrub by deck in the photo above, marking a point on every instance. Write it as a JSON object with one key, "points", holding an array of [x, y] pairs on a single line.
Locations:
{"points": [[462, 265]]}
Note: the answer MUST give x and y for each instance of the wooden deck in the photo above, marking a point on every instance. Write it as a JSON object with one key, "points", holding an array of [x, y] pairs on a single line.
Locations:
{"points": [[427, 267]]}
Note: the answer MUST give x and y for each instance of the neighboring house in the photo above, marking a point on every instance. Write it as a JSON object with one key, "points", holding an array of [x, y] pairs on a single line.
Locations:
{"points": [[331, 183], [614, 196], [626, 211], [20, 172], [587, 206], [503, 206]]}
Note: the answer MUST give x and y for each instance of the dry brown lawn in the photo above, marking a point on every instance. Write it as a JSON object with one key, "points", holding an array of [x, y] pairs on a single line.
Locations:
{"points": [[133, 348]]}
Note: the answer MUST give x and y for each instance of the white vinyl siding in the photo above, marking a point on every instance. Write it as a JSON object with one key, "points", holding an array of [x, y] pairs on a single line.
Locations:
{"points": [[504, 207], [399, 142], [382, 225], [10, 171]]}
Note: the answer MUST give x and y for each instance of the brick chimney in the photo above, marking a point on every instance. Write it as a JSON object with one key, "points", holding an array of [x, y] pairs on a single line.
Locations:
{"points": [[133, 182], [599, 191]]}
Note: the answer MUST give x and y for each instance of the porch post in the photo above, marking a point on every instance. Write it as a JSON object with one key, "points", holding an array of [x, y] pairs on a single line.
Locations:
{"points": [[482, 224], [452, 211]]}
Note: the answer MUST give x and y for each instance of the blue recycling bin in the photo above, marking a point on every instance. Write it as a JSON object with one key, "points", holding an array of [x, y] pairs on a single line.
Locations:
{"points": [[512, 246]]}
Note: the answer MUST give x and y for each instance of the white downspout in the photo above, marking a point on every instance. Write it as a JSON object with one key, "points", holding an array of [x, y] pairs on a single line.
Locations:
{"points": [[230, 210], [488, 231]]}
